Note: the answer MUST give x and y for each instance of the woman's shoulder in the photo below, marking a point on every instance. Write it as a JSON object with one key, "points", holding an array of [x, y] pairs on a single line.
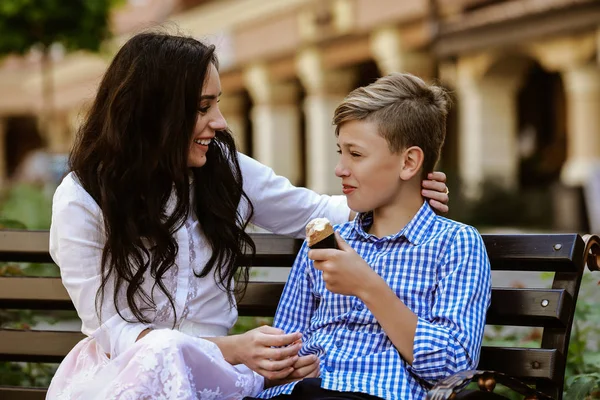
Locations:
{"points": [[71, 192]]}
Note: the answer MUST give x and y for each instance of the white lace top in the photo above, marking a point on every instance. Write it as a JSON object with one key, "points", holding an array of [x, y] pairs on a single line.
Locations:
{"points": [[77, 240]]}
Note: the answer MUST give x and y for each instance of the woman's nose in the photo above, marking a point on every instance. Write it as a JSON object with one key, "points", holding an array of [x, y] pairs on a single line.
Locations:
{"points": [[218, 123]]}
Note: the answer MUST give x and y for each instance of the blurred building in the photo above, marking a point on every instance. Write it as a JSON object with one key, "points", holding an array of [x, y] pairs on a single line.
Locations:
{"points": [[525, 75]]}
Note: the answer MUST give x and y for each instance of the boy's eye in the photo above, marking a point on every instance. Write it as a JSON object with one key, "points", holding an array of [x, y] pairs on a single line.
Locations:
{"points": [[355, 154], [338, 151]]}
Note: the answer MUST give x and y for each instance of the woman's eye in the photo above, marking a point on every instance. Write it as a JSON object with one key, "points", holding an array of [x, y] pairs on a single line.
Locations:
{"points": [[355, 154], [203, 110], [338, 151]]}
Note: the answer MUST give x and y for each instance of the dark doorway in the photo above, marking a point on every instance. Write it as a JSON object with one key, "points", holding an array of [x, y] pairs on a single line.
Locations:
{"points": [[22, 137], [541, 128], [368, 72]]}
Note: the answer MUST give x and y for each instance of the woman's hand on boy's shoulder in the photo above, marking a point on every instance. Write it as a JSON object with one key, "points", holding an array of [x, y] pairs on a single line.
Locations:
{"points": [[436, 191], [344, 270]]}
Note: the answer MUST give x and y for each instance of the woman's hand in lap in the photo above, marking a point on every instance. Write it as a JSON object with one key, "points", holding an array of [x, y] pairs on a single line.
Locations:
{"points": [[305, 367], [436, 191], [270, 352]]}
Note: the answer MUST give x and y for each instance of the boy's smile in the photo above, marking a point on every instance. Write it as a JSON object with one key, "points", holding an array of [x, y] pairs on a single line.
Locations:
{"points": [[347, 189]]}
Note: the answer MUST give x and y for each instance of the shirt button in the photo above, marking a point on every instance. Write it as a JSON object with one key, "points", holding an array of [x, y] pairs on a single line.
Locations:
{"points": [[350, 327], [338, 343], [360, 307], [378, 245], [329, 368]]}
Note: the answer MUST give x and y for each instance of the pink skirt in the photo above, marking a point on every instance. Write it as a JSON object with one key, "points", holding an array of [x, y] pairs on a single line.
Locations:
{"points": [[165, 364]]}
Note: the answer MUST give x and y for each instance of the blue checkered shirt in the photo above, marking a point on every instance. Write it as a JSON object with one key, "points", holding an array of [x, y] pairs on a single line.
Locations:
{"points": [[438, 267]]}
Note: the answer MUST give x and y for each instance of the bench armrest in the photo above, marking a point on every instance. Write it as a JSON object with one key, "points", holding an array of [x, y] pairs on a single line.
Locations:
{"points": [[486, 380], [592, 251]]}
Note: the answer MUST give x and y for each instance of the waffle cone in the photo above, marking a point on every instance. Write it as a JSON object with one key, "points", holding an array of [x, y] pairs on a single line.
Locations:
{"points": [[320, 238]]}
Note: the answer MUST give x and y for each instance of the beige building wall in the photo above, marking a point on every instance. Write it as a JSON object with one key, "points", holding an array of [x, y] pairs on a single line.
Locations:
{"points": [[298, 58]]}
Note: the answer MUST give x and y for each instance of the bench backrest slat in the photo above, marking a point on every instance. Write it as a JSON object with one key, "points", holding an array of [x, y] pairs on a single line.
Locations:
{"points": [[20, 393], [52, 346], [35, 293], [529, 307], [24, 246], [522, 363], [551, 252], [518, 307], [39, 346]]}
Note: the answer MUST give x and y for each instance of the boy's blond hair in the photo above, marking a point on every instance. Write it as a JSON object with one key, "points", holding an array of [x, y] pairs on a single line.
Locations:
{"points": [[407, 111]]}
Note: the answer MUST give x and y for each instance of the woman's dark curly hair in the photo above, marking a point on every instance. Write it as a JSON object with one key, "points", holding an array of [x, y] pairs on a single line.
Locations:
{"points": [[131, 156]]}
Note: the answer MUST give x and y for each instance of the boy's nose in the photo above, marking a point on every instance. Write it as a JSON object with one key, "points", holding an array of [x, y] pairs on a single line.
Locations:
{"points": [[341, 171]]}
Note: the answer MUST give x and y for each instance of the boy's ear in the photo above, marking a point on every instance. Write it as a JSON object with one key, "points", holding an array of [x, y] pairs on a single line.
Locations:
{"points": [[412, 162]]}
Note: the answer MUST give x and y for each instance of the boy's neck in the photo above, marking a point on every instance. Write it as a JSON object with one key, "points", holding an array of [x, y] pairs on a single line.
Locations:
{"points": [[391, 219]]}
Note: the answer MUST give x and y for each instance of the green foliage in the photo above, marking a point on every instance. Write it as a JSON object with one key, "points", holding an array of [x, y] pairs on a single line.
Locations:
{"points": [[583, 361], [76, 24], [583, 386], [6, 223], [25, 206], [26, 374], [244, 324]]}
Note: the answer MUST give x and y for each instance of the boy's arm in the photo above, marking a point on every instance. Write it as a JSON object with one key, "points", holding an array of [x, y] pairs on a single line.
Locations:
{"points": [[449, 341]]}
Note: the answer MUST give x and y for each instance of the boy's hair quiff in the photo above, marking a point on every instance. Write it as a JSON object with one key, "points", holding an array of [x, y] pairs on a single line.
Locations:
{"points": [[407, 111]]}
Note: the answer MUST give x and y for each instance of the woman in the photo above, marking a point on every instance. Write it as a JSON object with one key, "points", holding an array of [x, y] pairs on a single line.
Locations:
{"points": [[146, 229]]}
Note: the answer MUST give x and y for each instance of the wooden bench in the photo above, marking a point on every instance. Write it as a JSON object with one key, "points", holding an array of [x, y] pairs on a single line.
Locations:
{"points": [[552, 309]]}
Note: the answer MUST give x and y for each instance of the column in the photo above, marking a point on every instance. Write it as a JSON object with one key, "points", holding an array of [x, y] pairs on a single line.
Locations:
{"points": [[58, 133], [232, 108], [275, 122], [391, 56], [572, 56], [582, 90], [75, 119], [325, 89], [488, 148]]}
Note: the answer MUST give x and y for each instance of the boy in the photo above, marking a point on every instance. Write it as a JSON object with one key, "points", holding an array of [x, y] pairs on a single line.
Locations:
{"points": [[403, 300]]}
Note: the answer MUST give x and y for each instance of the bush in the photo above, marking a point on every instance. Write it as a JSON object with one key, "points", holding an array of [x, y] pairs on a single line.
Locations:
{"points": [[25, 206]]}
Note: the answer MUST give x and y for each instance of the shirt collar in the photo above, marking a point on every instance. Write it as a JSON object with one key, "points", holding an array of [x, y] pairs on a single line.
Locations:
{"points": [[415, 231]]}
